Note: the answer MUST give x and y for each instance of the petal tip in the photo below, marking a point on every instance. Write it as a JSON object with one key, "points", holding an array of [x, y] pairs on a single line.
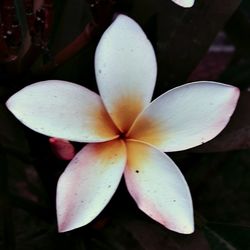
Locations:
{"points": [[187, 229], [8, 104], [185, 226], [64, 224], [234, 97], [63, 229], [61, 225], [184, 3], [236, 93]]}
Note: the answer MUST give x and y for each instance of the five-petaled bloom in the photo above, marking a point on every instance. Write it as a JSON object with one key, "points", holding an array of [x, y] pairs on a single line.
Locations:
{"points": [[126, 133]]}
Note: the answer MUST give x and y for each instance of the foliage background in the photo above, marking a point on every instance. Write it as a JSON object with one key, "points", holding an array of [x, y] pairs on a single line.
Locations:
{"points": [[57, 40]]}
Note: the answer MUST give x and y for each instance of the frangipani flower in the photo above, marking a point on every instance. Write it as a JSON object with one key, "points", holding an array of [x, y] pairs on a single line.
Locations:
{"points": [[126, 133]]}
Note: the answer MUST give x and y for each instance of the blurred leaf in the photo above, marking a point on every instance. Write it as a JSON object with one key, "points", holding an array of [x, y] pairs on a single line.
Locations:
{"points": [[217, 242], [32, 233], [184, 35], [226, 236], [152, 236], [7, 235], [20, 185], [237, 74], [212, 66], [11, 134], [238, 29], [25, 186], [21, 16], [220, 186], [71, 18], [136, 231], [237, 134]]}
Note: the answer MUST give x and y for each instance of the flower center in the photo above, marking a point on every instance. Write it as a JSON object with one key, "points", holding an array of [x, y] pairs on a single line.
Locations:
{"points": [[122, 135]]}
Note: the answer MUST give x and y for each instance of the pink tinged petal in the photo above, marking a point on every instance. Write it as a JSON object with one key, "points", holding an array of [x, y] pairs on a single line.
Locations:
{"points": [[158, 187], [125, 68], [64, 110], [63, 149], [184, 3], [88, 183], [186, 116]]}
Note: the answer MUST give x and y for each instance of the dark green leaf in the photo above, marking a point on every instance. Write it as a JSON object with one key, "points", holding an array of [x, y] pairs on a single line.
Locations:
{"points": [[227, 236]]}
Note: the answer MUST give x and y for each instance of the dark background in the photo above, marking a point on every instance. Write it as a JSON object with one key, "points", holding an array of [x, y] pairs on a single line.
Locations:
{"points": [[57, 40]]}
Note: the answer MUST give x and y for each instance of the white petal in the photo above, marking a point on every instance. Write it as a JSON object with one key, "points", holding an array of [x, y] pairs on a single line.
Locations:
{"points": [[186, 116], [158, 187], [88, 183], [184, 3], [125, 67], [64, 110]]}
